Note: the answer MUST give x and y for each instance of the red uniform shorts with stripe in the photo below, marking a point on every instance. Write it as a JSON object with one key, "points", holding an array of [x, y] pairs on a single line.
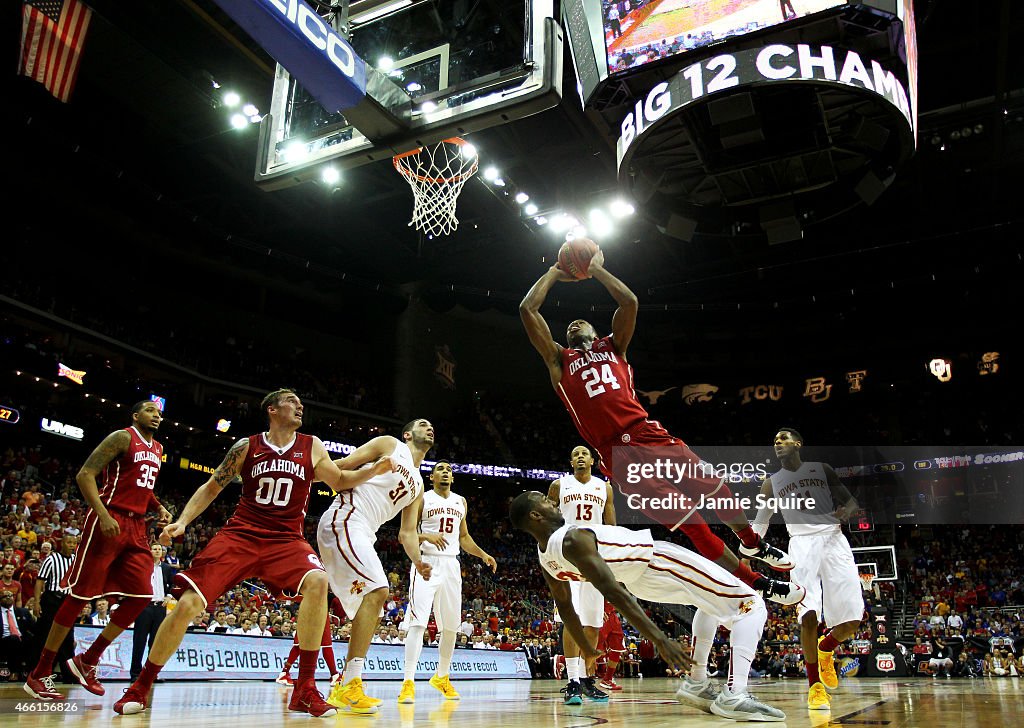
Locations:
{"points": [[650, 434], [610, 638], [120, 565], [234, 555]]}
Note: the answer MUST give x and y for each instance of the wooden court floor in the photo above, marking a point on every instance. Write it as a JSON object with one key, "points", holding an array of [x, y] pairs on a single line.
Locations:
{"points": [[644, 703]]}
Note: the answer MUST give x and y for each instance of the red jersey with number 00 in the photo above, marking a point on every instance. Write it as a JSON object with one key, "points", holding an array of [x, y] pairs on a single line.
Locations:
{"points": [[275, 488], [597, 389], [127, 482]]}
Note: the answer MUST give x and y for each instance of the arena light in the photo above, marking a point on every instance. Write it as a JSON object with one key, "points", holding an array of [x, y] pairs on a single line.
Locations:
{"points": [[499, 182], [600, 223], [468, 151], [621, 208], [385, 63], [223, 425], [412, 87], [578, 231], [530, 209], [250, 110], [541, 220], [562, 222], [239, 121], [330, 175], [231, 99], [491, 174], [522, 198], [296, 151], [427, 107]]}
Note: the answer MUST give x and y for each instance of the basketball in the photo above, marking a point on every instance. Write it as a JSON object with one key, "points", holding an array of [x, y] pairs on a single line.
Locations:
{"points": [[574, 256]]}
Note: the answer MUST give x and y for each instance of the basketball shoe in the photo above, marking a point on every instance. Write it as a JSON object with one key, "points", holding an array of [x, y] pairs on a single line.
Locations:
{"points": [[307, 699], [743, 706], [608, 683], [783, 592], [827, 668], [771, 555], [350, 696], [698, 693], [133, 701], [284, 679], [573, 693], [86, 675], [408, 692], [42, 688], [444, 684], [591, 691], [817, 698]]}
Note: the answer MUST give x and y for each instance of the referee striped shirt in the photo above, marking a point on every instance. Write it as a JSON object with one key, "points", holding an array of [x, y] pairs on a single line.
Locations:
{"points": [[53, 570]]}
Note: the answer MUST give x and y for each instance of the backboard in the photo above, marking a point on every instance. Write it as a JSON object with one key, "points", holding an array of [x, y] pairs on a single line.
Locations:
{"points": [[880, 561], [465, 64]]}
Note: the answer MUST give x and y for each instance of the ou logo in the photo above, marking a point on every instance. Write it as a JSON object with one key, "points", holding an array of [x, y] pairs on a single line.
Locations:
{"points": [[315, 561]]}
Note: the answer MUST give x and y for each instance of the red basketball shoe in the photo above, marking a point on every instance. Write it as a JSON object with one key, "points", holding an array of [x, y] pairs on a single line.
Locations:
{"points": [[307, 699], [86, 675]]}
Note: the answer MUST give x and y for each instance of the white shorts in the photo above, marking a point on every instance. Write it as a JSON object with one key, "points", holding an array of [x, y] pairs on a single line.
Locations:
{"points": [[677, 575], [825, 567], [442, 592], [353, 567], [588, 603]]}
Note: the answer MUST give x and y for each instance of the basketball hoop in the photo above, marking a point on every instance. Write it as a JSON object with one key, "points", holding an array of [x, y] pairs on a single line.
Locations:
{"points": [[867, 582], [436, 175]]}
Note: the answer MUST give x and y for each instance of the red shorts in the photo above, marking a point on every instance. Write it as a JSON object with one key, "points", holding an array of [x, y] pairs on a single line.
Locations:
{"points": [[611, 638], [120, 565], [650, 434], [233, 556]]}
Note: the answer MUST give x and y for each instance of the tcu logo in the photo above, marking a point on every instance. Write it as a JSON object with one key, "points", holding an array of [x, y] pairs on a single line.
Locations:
{"points": [[885, 662]]}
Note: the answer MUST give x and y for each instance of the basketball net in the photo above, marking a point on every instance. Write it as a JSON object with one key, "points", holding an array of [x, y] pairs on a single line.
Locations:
{"points": [[867, 582], [436, 175]]}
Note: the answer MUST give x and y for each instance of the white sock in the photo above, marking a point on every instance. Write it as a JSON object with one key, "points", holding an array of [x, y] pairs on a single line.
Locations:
{"points": [[746, 632], [445, 649], [572, 668], [353, 669], [703, 629], [413, 648]]}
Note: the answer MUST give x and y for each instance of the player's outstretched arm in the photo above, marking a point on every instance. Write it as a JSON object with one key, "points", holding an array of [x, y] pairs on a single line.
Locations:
{"points": [[764, 515], [563, 600], [208, 491], [846, 504], [467, 544], [624, 318], [536, 327], [338, 479], [409, 538], [368, 452], [113, 446], [580, 548]]}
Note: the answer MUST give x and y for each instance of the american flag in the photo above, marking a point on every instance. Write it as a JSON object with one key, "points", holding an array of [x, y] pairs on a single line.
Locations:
{"points": [[52, 36]]}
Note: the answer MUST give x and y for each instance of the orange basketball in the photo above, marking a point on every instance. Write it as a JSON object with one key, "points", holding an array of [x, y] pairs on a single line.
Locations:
{"points": [[574, 256]]}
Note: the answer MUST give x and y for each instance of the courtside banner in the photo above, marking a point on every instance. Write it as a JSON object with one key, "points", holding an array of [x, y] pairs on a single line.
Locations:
{"points": [[307, 46], [203, 655]]}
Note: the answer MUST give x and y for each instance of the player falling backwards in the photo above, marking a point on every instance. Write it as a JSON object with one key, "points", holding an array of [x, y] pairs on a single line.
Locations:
{"points": [[584, 499], [443, 531], [824, 560], [622, 563], [595, 383], [263, 539]]}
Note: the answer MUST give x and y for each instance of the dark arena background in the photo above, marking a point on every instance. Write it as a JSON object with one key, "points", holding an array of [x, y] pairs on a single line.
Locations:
{"points": [[816, 205]]}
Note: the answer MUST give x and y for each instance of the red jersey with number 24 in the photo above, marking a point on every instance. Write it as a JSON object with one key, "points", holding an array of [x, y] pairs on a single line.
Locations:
{"points": [[275, 488], [597, 389], [128, 481]]}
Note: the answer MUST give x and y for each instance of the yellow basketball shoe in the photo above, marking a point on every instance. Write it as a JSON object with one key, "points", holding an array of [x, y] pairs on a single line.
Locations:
{"points": [[350, 696], [827, 668], [408, 692], [445, 686], [817, 698]]}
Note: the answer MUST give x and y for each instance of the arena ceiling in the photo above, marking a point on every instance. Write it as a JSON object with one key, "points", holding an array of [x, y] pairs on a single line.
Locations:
{"points": [[143, 150]]}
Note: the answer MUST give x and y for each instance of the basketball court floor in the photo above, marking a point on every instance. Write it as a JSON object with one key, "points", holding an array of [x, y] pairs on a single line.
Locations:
{"points": [[643, 703]]}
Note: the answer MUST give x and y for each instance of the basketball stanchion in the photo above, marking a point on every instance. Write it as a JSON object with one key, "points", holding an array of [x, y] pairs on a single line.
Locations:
{"points": [[436, 175]]}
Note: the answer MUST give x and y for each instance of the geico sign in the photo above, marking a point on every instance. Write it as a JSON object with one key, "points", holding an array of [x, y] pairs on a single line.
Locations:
{"points": [[315, 30], [59, 428]]}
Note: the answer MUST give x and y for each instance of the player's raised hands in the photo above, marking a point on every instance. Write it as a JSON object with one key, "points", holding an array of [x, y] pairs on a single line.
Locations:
{"points": [[596, 262], [674, 654], [561, 275], [434, 539]]}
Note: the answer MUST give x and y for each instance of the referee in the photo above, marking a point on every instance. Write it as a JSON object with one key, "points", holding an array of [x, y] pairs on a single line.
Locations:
{"points": [[49, 596]]}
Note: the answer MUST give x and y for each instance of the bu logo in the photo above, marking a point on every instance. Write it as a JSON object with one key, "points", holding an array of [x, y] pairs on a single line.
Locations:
{"points": [[357, 587], [885, 662]]}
